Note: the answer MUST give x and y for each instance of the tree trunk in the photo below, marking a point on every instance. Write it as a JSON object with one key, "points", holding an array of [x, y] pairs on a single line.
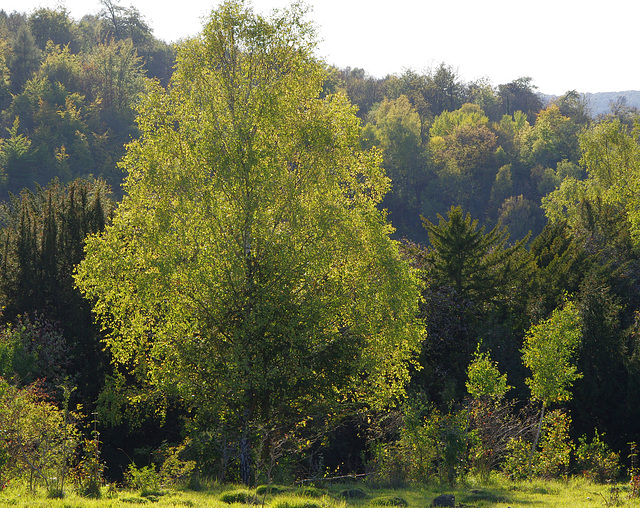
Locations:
{"points": [[535, 441], [245, 453]]}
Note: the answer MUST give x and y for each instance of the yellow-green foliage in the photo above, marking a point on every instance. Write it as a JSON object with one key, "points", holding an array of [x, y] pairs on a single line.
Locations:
{"points": [[298, 501], [552, 456], [484, 378], [548, 350], [430, 448], [596, 460]]}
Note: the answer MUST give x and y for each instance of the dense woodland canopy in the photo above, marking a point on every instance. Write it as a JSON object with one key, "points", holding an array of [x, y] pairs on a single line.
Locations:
{"points": [[255, 305]]}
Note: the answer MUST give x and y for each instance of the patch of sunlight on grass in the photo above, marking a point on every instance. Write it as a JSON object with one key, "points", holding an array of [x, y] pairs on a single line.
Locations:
{"points": [[498, 492]]}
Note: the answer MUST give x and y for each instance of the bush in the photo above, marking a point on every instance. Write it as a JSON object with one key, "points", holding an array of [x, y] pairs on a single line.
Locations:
{"points": [[595, 460], [145, 479], [515, 465], [552, 457], [34, 349], [89, 473], [492, 424], [429, 448], [389, 465], [174, 470], [555, 446], [39, 438]]}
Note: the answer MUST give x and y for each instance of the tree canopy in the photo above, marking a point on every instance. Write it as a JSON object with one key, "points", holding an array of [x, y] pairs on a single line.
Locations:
{"points": [[248, 268]]}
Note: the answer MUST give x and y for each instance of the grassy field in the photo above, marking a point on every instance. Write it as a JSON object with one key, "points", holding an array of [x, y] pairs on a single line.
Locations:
{"points": [[576, 493]]}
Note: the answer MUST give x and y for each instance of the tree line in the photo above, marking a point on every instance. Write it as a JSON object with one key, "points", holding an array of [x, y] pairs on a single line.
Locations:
{"points": [[68, 90], [292, 268]]}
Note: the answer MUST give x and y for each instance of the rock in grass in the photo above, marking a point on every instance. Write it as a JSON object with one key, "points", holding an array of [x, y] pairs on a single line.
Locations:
{"points": [[483, 495], [353, 494], [239, 496], [271, 489], [444, 500]]}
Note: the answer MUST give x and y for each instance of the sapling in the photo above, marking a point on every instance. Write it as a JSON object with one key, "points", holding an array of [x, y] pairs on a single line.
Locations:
{"points": [[548, 350]]}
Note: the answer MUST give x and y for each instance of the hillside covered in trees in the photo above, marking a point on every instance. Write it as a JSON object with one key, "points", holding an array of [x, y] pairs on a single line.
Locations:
{"points": [[294, 269]]}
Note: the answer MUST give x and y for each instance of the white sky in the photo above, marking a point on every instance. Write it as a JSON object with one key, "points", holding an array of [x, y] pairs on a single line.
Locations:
{"points": [[561, 44]]}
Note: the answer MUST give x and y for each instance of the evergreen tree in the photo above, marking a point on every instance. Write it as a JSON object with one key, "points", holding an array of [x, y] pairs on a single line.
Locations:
{"points": [[479, 266], [25, 59], [42, 234]]}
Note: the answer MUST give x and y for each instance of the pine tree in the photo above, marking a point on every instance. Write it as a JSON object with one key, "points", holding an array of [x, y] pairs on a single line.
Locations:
{"points": [[479, 266]]}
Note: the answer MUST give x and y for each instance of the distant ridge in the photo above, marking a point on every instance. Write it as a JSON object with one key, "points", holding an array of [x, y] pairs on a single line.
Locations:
{"points": [[600, 102]]}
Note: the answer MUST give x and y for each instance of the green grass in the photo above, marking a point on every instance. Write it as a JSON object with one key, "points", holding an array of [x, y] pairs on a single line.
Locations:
{"points": [[574, 493]]}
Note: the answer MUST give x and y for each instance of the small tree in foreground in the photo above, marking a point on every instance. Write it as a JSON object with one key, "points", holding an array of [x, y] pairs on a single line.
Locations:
{"points": [[492, 421], [484, 379], [548, 351]]}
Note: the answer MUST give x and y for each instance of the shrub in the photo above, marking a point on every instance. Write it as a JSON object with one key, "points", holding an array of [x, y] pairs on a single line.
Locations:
{"points": [[515, 465], [430, 447], [145, 479], [174, 470], [39, 438], [596, 460], [555, 446], [34, 348], [389, 464], [552, 457], [90, 470], [492, 424]]}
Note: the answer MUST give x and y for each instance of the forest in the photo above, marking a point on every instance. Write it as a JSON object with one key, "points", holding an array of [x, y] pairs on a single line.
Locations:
{"points": [[224, 258]]}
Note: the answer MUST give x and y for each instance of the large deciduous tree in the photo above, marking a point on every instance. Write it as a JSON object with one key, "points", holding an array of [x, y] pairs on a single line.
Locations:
{"points": [[520, 95], [396, 130], [248, 269], [611, 158]]}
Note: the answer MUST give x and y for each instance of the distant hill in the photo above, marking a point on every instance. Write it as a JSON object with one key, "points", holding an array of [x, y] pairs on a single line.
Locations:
{"points": [[600, 102]]}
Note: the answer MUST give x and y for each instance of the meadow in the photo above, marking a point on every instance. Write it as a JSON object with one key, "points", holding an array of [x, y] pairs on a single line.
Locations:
{"points": [[501, 493]]}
